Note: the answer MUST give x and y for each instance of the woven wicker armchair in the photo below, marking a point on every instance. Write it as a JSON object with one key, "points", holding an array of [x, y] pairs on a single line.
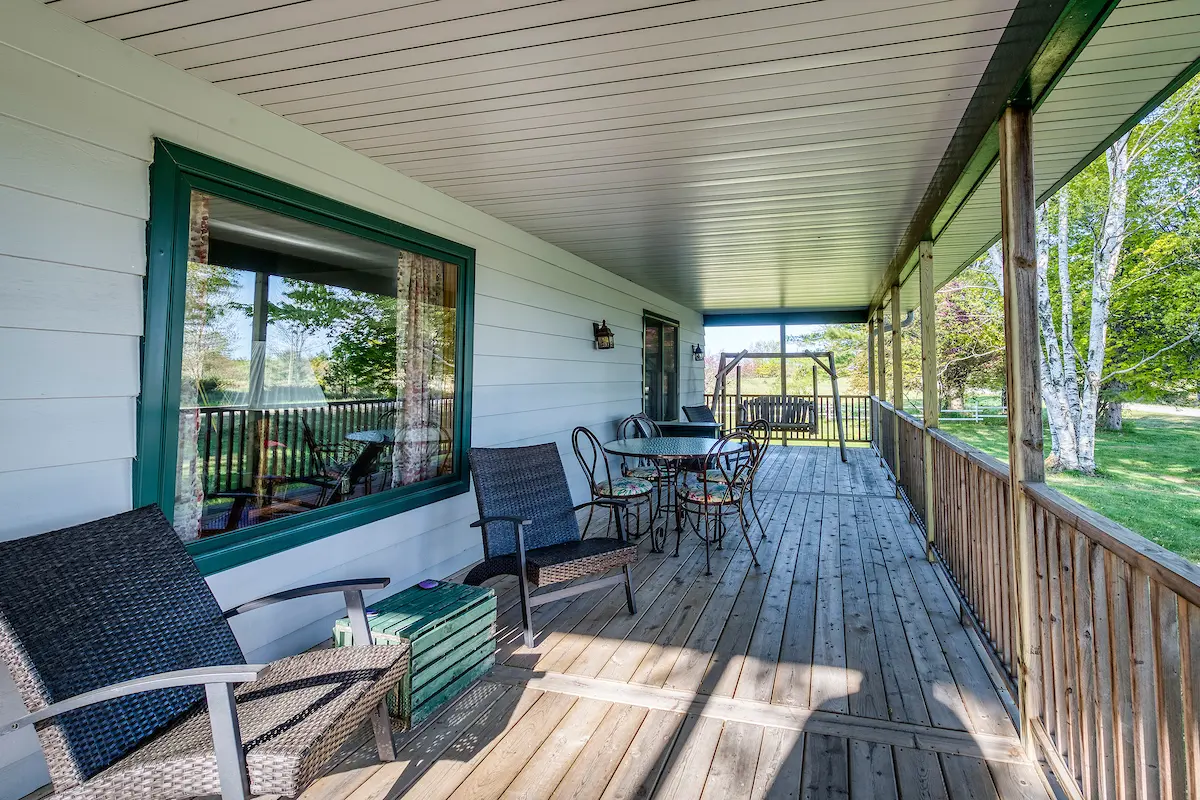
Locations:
{"points": [[127, 667], [530, 529]]}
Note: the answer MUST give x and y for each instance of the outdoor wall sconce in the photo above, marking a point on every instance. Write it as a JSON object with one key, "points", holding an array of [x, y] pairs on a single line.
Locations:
{"points": [[697, 353], [603, 335]]}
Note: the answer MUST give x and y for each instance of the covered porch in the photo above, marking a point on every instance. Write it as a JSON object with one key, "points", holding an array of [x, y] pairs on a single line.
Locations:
{"points": [[924, 621], [844, 667]]}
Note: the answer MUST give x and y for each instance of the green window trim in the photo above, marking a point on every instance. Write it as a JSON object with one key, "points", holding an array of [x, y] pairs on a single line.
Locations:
{"points": [[175, 172]]}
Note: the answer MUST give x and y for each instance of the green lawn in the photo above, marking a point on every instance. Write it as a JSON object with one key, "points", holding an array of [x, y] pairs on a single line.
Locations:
{"points": [[1149, 477]]}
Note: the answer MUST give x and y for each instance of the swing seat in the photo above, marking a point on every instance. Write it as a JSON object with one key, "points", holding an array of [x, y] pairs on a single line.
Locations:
{"points": [[781, 412]]}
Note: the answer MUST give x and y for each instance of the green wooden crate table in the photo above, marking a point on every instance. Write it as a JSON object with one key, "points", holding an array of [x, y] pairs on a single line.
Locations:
{"points": [[452, 631]]}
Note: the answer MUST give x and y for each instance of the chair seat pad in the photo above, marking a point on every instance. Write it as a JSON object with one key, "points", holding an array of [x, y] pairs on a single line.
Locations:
{"points": [[717, 493], [716, 476], [570, 560], [624, 487], [643, 473], [299, 711]]}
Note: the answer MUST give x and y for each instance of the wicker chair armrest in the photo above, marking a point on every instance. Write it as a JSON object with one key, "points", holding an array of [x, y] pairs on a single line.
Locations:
{"points": [[514, 520], [351, 585], [200, 676]]}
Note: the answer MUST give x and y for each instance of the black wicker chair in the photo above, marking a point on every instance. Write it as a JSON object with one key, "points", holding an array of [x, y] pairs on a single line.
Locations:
{"points": [[530, 529], [110, 632], [699, 414]]}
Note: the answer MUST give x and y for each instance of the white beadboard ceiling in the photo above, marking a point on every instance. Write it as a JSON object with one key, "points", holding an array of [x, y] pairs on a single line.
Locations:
{"points": [[741, 155]]}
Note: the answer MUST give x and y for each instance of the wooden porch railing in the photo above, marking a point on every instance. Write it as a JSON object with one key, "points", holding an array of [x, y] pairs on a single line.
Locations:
{"points": [[856, 416], [1113, 658]]}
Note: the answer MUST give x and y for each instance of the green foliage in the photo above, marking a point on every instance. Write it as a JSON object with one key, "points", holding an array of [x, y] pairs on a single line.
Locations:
{"points": [[1149, 479]]}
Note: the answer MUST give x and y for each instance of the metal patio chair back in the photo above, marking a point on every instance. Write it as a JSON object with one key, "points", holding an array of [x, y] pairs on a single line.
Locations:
{"points": [[720, 489], [115, 643]]}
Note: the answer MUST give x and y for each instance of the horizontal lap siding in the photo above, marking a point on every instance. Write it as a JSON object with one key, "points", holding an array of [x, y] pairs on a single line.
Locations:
{"points": [[76, 134]]}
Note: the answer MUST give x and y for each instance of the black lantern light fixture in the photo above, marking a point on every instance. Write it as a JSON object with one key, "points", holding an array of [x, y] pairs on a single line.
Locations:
{"points": [[697, 352], [603, 335]]}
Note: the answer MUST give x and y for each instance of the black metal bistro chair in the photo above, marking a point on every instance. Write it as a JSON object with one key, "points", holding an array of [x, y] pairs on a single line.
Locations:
{"points": [[331, 467], [604, 484], [760, 431], [715, 493], [639, 426], [530, 529], [127, 667]]}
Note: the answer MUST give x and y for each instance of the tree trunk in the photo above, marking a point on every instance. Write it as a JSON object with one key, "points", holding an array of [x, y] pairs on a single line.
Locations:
{"points": [[1112, 407], [956, 403], [1064, 445], [1107, 257], [1070, 356], [1111, 419]]}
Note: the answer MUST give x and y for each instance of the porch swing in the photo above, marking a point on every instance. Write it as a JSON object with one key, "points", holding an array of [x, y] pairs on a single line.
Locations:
{"points": [[785, 413]]}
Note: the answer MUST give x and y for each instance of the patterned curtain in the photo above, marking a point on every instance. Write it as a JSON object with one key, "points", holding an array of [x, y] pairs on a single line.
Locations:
{"points": [[189, 477], [424, 375]]}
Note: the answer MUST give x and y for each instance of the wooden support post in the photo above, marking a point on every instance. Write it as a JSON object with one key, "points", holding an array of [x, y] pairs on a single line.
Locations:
{"points": [[783, 359], [881, 384], [738, 398], [1023, 351], [816, 395], [874, 423], [837, 405], [897, 382], [929, 387]]}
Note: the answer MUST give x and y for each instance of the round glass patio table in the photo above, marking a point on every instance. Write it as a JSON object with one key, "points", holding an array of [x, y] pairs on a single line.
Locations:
{"points": [[668, 449]]}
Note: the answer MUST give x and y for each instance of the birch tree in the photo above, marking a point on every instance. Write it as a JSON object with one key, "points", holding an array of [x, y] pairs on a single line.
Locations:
{"points": [[1072, 386]]}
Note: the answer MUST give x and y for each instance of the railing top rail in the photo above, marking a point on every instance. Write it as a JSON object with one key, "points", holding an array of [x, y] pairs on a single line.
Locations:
{"points": [[910, 419], [987, 463], [1170, 569], [884, 404]]}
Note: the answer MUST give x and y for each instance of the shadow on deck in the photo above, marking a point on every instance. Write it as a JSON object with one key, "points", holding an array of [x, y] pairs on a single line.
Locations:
{"points": [[839, 668]]}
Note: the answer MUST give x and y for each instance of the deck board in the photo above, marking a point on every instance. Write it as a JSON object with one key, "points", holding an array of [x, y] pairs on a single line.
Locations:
{"points": [[837, 667]]}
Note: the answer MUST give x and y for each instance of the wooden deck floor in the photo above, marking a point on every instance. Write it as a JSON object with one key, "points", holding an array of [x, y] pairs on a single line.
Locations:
{"points": [[838, 669]]}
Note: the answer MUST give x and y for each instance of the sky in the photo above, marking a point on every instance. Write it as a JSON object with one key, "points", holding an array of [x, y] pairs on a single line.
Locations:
{"points": [[718, 339]]}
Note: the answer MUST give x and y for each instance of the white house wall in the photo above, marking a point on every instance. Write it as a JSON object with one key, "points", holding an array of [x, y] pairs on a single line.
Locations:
{"points": [[78, 114]]}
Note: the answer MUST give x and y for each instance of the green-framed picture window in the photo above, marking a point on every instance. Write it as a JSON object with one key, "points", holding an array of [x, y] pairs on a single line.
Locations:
{"points": [[306, 364]]}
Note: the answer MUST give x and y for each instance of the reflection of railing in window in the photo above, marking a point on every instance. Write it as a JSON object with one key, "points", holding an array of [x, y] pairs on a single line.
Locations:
{"points": [[226, 440]]}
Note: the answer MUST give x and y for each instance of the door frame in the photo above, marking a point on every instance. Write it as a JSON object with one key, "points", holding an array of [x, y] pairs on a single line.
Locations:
{"points": [[653, 317]]}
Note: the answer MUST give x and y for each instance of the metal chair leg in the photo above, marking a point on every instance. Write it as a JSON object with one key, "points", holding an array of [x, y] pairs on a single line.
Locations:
{"points": [[707, 559], [754, 508], [227, 742], [381, 722], [629, 599], [746, 536], [526, 611]]}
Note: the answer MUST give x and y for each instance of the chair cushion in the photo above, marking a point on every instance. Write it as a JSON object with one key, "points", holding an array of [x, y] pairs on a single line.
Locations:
{"points": [[642, 473], [624, 487], [570, 560], [716, 493], [299, 711], [716, 476]]}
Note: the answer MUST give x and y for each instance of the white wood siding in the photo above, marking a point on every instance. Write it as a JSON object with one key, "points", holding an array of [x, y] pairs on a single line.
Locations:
{"points": [[78, 113]]}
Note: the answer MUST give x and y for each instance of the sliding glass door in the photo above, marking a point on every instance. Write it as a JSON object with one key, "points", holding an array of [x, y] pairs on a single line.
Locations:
{"points": [[660, 356]]}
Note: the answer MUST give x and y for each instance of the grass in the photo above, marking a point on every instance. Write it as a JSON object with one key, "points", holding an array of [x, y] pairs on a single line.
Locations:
{"points": [[1149, 475]]}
